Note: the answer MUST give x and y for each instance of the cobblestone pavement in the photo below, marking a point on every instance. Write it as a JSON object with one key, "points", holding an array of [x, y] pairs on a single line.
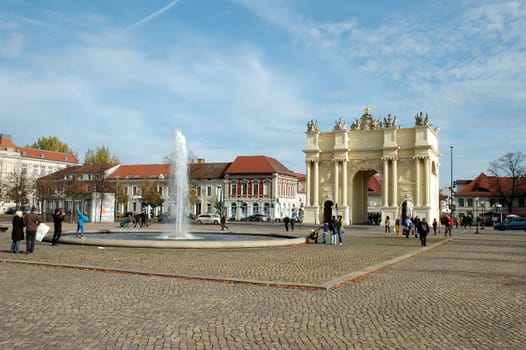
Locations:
{"points": [[466, 294]]}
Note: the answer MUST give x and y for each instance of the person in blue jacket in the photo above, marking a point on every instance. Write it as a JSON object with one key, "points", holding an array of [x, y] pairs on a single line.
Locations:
{"points": [[79, 233]]}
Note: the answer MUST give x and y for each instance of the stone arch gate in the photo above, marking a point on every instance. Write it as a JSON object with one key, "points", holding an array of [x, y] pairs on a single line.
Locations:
{"points": [[340, 163]]}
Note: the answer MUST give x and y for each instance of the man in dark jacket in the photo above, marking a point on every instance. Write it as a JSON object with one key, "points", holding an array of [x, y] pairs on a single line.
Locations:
{"points": [[423, 230], [58, 217], [31, 221]]}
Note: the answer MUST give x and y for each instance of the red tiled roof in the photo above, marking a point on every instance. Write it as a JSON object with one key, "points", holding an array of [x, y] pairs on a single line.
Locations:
{"points": [[26, 152], [257, 165], [201, 171], [374, 186], [487, 185], [6, 142], [141, 171], [301, 177]]}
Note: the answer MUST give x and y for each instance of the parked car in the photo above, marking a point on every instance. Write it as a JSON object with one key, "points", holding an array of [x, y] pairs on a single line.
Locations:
{"points": [[256, 217], [512, 223], [208, 219], [10, 211]]}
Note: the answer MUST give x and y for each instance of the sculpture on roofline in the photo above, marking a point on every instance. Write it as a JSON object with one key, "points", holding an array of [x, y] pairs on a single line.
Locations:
{"points": [[366, 122], [340, 124], [389, 122], [312, 126], [420, 120]]}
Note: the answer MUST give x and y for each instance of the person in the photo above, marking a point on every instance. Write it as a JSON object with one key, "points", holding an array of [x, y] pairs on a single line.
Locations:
{"points": [[423, 230], [223, 222], [325, 231], [435, 224], [339, 227], [407, 227], [286, 220], [17, 234], [82, 218], [397, 226], [58, 217], [387, 225], [31, 221], [292, 224]]}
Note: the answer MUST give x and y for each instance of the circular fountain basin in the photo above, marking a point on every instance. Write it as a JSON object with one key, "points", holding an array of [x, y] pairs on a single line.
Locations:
{"points": [[197, 240]]}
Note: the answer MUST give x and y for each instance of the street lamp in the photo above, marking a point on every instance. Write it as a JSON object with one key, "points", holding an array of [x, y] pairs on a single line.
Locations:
{"points": [[476, 213], [499, 210], [451, 184]]}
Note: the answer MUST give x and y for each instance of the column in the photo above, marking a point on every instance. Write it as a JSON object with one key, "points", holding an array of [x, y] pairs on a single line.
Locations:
{"points": [[394, 183], [427, 181], [344, 183], [417, 182], [309, 189], [316, 183], [385, 184], [336, 184]]}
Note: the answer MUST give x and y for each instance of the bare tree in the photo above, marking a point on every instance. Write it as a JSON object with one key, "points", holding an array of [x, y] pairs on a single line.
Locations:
{"points": [[510, 173], [19, 187]]}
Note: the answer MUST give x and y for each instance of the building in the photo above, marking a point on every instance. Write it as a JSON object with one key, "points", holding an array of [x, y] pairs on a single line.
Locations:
{"points": [[246, 186], [21, 166], [341, 162], [481, 197]]}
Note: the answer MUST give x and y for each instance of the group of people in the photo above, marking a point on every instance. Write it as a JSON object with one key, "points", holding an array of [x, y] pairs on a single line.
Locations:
{"points": [[334, 228], [30, 223], [418, 227]]}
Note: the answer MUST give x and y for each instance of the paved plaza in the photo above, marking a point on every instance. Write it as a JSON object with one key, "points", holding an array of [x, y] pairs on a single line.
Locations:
{"points": [[376, 291]]}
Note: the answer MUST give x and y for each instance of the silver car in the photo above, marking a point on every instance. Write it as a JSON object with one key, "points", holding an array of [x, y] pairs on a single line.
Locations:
{"points": [[208, 219]]}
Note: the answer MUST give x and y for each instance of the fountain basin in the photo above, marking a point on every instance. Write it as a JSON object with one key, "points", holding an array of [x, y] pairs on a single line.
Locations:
{"points": [[203, 240]]}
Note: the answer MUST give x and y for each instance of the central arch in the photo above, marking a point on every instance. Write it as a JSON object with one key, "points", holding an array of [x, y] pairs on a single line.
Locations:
{"points": [[360, 196]]}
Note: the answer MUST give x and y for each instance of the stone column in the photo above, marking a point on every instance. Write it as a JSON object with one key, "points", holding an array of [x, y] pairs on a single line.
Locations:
{"points": [[394, 188], [309, 189], [427, 181], [417, 182], [336, 183], [316, 184], [385, 184], [344, 183]]}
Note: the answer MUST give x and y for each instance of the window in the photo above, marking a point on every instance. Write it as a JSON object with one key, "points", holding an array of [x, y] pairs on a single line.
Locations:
{"points": [[461, 202], [255, 189], [470, 202], [255, 208], [35, 169], [160, 190], [233, 189], [266, 190], [521, 202], [42, 170], [209, 191], [244, 188], [23, 168]]}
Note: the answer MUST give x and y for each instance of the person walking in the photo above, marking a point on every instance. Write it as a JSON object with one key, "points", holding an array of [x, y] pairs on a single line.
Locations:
{"points": [[82, 218], [423, 230], [387, 225], [286, 220], [58, 217], [31, 221], [223, 222], [17, 234], [435, 224]]}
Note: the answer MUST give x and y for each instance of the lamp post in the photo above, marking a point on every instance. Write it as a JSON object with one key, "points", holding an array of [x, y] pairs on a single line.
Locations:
{"points": [[451, 184], [499, 210], [476, 214]]}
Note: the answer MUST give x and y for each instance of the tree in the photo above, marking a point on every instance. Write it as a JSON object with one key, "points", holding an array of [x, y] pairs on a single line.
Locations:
{"points": [[150, 195], [51, 143], [19, 187], [100, 156], [510, 173]]}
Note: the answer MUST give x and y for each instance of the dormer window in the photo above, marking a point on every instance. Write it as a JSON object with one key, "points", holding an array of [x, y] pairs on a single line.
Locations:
{"points": [[41, 155]]}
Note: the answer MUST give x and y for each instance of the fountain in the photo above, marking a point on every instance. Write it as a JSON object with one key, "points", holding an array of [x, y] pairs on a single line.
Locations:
{"points": [[179, 208]]}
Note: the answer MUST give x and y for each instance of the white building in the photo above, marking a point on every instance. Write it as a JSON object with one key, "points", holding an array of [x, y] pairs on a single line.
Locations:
{"points": [[27, 164]]}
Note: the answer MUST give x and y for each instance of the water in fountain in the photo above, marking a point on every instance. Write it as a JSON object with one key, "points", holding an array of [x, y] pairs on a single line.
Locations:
{"points": [[178, 203]]}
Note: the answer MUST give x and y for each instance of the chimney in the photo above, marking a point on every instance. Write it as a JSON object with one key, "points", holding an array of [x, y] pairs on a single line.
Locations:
{"points": [[200, 161]]}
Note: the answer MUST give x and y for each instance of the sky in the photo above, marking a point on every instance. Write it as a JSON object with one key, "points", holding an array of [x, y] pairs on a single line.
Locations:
{"points": [[243, 77]]}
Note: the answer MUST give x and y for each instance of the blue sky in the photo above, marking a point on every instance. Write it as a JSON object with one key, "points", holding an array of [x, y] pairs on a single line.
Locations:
{"points": [[244, 77]]}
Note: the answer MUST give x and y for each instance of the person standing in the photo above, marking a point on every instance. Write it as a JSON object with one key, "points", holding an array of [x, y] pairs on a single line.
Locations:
{"points": [[286, 220], [325, 231], [339, 228], [31, 221], [82, 218], [58, 217], [435, 224], [223, 222], [423, 230], [17, 234], [387, 225]]}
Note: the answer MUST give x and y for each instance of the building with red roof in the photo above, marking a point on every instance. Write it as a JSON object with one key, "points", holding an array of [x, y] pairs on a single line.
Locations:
{"points": [[28, 164]]}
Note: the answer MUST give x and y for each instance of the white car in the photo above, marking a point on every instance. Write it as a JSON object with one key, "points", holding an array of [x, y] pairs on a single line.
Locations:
{"points": [[208, 219]]}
